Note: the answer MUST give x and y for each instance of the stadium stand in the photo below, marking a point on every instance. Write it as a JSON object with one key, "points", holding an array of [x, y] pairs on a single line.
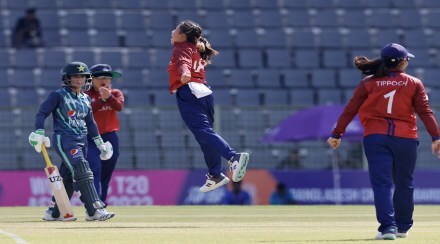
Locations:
{"points": [[275, 57]]}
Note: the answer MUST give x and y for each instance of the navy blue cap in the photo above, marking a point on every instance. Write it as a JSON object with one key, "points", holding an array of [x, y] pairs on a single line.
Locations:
{"points": [[104, 70], [394, 51]]}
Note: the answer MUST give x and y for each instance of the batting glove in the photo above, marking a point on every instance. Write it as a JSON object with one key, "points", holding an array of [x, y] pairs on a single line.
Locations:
{"points": [[106, 149], [37, 138]]}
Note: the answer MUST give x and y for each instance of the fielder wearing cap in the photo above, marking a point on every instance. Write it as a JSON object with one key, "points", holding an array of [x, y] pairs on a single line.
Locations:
{"points": [[104, 70], [395, 52]]}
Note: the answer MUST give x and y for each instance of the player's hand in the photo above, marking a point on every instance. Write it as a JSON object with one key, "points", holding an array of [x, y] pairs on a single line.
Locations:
{"points": [[106, 149], [37, 138], [105, 93], [185, 77], [333, 142], [436, 147]]}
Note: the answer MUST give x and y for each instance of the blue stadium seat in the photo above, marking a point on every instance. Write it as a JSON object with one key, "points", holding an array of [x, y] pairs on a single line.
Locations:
{"points": [[26, 58], [238, 4], [76, 21], [410, 18], [26, 98], [137, 38], [422, 59], [5, 99], [130, 20], [354, 19], [415, 39], [54, 58], [138, 59], [326, 18], [161, 39], [170, 119], [268, 78], [274, 38], [114, 58], [347, 94], [335, 59], [404, 3], [225, 59], [296, 78], [78, 38], [278, 58], [80, 4], [2, 38], [191, 14], [275, 97], [349, 77], [250, 58], [232, 137], [298, 18], [126, 158], [164, 98], [52, 38], [17, 4], [13, 17], [369, 53], [323, 78], [247, 38], [428, 4], [211, 5], [107, 39], [302, 98], [148, 158], [131, 79], [158, 78], [23, 78], [434, 98], [5, 58], [137, 98], [307, 58], [134, 4], [302, 39], [216, 78], [243, 19], [87, 57], [220, 38], [178, 160], [105, 20], [50, 78], [435, 39], [160, 58], [247, 97], [275, 116], [161, 20], [347, 4], [264, 4], [49, 20], [319, 4], [44, 4], [330, 39], [385, 36], [251, 120], [294, 4], [183, 5], [5, 77], [216, 20], [381, 19], [376, 3], [270, 19], [240, 78], [358, 38], [430, 77], [329, 96], [222, 97]]}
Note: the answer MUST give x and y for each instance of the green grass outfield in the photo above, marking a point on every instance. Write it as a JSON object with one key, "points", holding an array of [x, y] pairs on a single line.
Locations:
{"points": [[214, 224]]}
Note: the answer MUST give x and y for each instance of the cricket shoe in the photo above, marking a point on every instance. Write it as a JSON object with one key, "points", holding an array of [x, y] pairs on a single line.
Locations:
{"points": [[238, 165], [214, 182], [388, 234], [101, 214], [402, 234], [48, 216]]}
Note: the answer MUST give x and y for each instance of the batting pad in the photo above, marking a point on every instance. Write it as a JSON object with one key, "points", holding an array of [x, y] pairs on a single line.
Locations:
{"points": [[84, 179]]}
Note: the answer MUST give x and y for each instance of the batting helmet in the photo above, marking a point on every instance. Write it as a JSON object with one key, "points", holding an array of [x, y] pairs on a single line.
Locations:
{"points": [[76, 68]]}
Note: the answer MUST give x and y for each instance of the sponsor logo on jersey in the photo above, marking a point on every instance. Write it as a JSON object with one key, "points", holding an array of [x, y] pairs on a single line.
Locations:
{"points": [[73, 151], [71, 113]]}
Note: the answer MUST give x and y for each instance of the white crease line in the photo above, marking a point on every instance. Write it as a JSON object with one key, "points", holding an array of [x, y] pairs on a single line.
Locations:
{"points": [[17, 239]]}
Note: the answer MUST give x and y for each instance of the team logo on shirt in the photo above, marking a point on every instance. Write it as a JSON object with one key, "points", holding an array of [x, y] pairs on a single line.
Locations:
{"points": [[71, 113], [73, 151]]}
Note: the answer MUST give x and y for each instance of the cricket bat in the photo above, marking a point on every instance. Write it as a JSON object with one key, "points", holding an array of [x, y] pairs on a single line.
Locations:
{"points": [[57, 186]]}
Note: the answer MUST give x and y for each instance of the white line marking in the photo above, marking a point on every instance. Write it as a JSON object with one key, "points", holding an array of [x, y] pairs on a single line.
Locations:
{"points": [[17, 239]]}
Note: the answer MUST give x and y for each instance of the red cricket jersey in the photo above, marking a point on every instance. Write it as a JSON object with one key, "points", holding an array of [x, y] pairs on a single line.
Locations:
{"points": [[104, 113], [185, 59], [387, 105]]}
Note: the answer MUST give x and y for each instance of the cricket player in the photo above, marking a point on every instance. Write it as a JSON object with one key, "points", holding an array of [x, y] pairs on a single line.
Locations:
{"points": [[72, 120], [387, 101], [105, 102], [191, 53]]}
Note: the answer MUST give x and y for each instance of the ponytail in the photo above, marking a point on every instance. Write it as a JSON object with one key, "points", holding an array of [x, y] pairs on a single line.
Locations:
{"points": [[205, 49], [374, 67]]}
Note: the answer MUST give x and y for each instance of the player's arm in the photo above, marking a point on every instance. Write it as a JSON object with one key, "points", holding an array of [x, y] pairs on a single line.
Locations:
{"points": [[359, 96], [422, 108], [116, 100], [182, 58]]}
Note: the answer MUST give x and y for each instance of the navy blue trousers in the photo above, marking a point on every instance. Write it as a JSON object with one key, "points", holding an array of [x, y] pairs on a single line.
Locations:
{"points": [[72, 150], [391, 162], [198, 115], [103, 169]]}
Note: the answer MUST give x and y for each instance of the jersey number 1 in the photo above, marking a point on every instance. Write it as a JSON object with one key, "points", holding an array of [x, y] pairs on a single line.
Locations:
{"points": [[390, 102]]}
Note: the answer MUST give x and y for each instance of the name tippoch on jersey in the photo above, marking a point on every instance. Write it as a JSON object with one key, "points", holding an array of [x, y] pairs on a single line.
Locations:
{"points": [[391, 83]]}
